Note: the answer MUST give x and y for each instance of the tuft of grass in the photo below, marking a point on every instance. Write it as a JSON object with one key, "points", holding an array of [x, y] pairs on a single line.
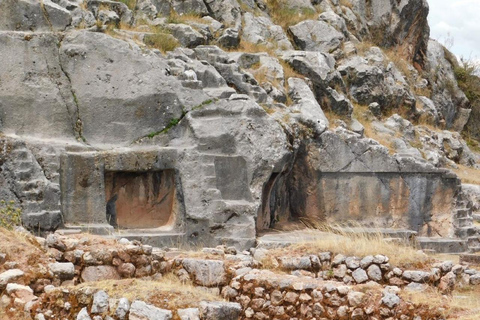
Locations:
{"points": [[176, 18], [360, 113], [468, 174], [346, 3], [10, 215], [285, 16], [162, 40], [345, 241], [131, 4], [463, 304], [167, 293]]}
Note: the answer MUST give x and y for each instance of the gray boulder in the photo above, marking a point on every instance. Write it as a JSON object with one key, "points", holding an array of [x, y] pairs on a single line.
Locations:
{"points": [[261, 30], [311, 35], [28, 15], [62, 270], [446, 95], [208, 273], [186, 35], [220, 310], [306, 109], [139, 310]]}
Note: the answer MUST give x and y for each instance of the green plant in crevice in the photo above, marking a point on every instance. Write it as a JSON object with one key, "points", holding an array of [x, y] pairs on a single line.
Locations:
{"points": [[10, 216]]}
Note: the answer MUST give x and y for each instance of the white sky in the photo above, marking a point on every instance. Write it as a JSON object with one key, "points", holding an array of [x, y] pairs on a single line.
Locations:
{"points": [[457, 19]]}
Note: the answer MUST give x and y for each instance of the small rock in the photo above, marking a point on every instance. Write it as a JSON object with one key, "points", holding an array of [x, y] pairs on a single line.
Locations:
{"points": [[366, 262], [360, 276], [352, 263], [83, 315], [220, 310], [355, 299], [10, 276], [374, 273], [97, 273], [189, 314], [475, 279], [100, 302], [62, 270], [390, 300], [338, 259], [380, 258], [414, 286], [447, 283], [122, 308], [139, 310], [416, 276]]}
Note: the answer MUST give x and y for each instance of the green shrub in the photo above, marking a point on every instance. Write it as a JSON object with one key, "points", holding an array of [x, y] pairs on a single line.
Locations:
{"points": [[10, 216], [468, 81]]}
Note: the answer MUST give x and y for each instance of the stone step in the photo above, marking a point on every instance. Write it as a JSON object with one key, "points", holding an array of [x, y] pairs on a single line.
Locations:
{"points": [[473, 241], [24, 174], [476, 217], [443, 245], [20, 154], [31, 184], [462, 213], [463, 222], [210, 181], [208, 169], [470, 258], [406, 234], [33, 195], [155, 239], [474, 249], [465, 232]]}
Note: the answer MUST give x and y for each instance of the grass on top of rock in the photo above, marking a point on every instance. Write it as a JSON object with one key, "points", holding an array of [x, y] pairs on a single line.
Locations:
{"points": [[167, 293], [342, 240], [162, 40], [131, 4], [467, 174], [462, 304], [285, 16], [176, 18]]}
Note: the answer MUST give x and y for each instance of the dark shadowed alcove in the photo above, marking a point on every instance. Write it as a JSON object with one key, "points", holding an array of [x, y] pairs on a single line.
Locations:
{"points": [[140, 200]]}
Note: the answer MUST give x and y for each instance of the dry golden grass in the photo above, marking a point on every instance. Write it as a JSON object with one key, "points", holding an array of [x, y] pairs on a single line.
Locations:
{"points": [[358, 244], [463, 304], [20, 247], [467, 174], [250, 47], [284, 16], [168, 292], [346, 3], [359, 113], [400, 62], [184, 18]]}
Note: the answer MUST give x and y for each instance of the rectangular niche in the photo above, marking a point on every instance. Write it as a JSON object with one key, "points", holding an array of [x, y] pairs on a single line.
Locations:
{"points": [[140, 200]]}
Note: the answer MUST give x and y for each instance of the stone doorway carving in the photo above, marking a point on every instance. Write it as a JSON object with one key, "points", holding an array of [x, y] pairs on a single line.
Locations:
{"points": [[140, 200]]}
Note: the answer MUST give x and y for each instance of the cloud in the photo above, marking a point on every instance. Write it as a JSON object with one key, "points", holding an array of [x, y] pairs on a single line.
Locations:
{"points": [[457, 19]]}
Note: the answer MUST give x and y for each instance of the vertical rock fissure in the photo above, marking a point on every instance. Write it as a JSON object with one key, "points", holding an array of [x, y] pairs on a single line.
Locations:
{"points": [[77, 124]]}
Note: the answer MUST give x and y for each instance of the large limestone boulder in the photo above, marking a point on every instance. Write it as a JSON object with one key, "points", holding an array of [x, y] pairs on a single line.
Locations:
{"points": [[36, 100], [446, 95], [261, 30], [373, 79], [33, 15], [311, 35], [121, 93], [402, 24]]}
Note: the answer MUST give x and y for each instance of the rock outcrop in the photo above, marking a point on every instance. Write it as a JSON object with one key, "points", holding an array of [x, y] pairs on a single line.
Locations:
{"points": [[208, 121]]}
